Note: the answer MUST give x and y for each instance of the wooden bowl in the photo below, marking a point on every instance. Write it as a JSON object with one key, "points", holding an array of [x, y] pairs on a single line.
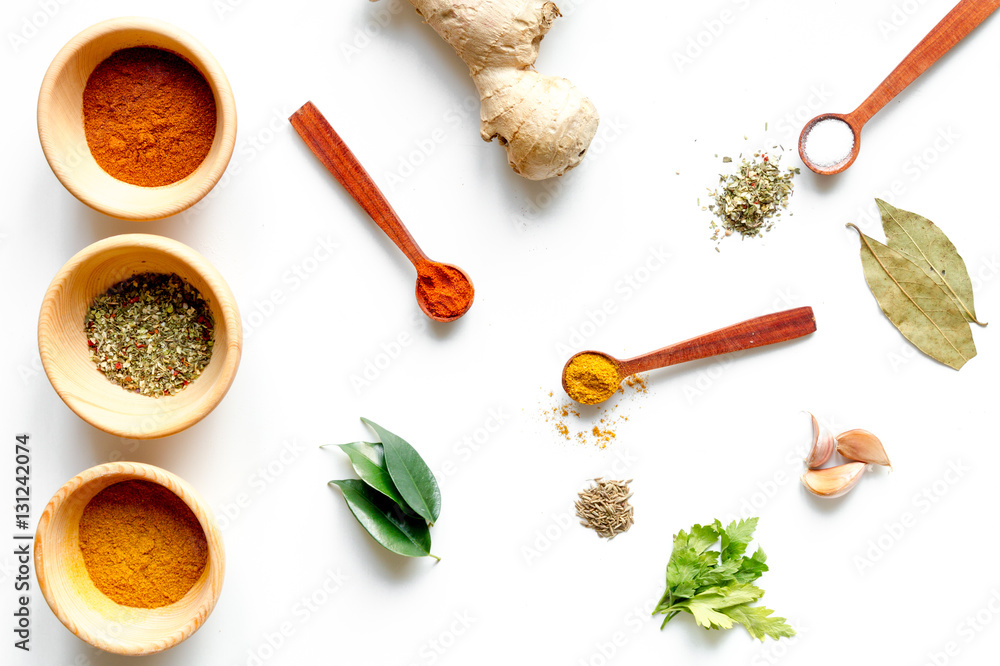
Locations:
{"points": [[60, 120], [85, 610], [62, 341]]}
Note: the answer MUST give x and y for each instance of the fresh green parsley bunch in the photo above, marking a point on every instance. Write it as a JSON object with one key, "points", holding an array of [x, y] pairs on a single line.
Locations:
{"points": [[716, 587]]}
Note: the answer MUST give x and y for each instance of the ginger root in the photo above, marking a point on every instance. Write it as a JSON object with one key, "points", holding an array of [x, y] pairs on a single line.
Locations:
{"points": [[544, 122]]}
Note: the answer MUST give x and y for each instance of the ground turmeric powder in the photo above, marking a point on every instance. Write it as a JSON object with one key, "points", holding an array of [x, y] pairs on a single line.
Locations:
{"points": [[591, 378], [142, 546]]}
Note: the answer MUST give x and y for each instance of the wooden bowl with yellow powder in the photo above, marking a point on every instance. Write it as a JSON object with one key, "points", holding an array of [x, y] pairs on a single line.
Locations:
{"points": [[129, 558], [136, 118], [68, 357]]}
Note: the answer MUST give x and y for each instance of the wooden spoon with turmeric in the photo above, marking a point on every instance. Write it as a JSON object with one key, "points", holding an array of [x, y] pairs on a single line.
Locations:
{"points": [[591, 377], [444, 292]]}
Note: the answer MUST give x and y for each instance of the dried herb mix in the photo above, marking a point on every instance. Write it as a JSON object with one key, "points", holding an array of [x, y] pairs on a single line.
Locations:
{"points": [[152, 333], [749, 200], [604, 507]]}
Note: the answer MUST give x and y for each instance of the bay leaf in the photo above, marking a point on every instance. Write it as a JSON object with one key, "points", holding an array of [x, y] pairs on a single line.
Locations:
{"points": [[410, 474], [917, 305], [927, 246], [368, 461], [384, 521]]}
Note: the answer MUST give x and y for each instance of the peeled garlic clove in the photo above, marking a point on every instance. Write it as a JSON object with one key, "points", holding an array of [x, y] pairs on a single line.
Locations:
{"points": [[863, 446], [824, 444], [833, 481]]}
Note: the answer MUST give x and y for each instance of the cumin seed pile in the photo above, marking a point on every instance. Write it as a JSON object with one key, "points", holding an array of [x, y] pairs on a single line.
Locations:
{"points": [[604, 507]]}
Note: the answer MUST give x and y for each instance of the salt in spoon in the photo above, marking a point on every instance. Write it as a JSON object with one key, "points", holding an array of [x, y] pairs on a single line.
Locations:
{"points": [[331, 150], [959, 22], [756, 332]]}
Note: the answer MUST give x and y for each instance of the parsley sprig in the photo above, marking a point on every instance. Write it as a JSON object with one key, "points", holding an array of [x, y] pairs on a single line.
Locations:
{"points": [[716, 586]]}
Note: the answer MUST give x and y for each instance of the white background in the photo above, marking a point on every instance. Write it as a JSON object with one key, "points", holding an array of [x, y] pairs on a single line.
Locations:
{"points": [[710, 439]]}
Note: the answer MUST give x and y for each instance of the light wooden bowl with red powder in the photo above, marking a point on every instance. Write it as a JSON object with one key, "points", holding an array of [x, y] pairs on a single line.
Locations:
{"points": [[61, 125]]}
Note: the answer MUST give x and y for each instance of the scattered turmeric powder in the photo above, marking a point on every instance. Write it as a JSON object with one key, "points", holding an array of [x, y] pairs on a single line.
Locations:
{"points": [[598, 428]]}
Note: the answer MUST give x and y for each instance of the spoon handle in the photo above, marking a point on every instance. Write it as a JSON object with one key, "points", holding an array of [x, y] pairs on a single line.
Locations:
{"points": [[756, 332], [958, 23], [331, 150]]}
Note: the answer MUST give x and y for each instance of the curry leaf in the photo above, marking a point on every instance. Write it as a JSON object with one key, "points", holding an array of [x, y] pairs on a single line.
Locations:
{"points": [[927, 246], [368, 461], [383, 519], [410, 474], [917, 305]]}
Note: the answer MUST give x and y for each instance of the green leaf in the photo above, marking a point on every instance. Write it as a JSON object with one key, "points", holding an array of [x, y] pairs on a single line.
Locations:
{"points": [[927, 246], [368, 461], [758, 622], [384, 520], [736, 537], [920, 308], [707, 607], [410, 474]]}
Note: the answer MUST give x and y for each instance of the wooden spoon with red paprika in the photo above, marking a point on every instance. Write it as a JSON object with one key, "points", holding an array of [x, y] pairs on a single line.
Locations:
{"points": [[444, 292]]}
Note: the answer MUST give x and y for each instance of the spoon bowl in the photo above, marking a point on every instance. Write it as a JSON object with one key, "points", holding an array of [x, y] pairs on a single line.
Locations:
{"points": [[591, 377], [848, 160], [444, 291]]}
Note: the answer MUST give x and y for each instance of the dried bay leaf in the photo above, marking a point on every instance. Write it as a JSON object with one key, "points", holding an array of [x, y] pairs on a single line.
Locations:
{"points": [[927, 246], [916, 304]]}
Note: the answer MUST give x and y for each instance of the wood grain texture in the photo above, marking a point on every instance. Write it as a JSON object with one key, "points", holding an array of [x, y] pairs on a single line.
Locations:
{"points": [[757, 332], [326, 144], [60, 120], [85, 610], [62, 342]]}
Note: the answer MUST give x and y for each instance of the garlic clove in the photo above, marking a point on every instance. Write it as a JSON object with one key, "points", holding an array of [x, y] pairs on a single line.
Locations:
{"points": [[824, 444], [833, 481], [863, 446]]}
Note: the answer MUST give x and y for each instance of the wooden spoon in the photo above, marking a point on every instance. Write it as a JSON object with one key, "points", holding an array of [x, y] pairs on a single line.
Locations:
{"points": [[756, 332], [444, 292], [959, 22]]}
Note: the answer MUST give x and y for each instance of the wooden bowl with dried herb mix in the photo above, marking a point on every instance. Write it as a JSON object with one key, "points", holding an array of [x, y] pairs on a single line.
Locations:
{"points": [[136, 118], [129, 558], [140, 336]]}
